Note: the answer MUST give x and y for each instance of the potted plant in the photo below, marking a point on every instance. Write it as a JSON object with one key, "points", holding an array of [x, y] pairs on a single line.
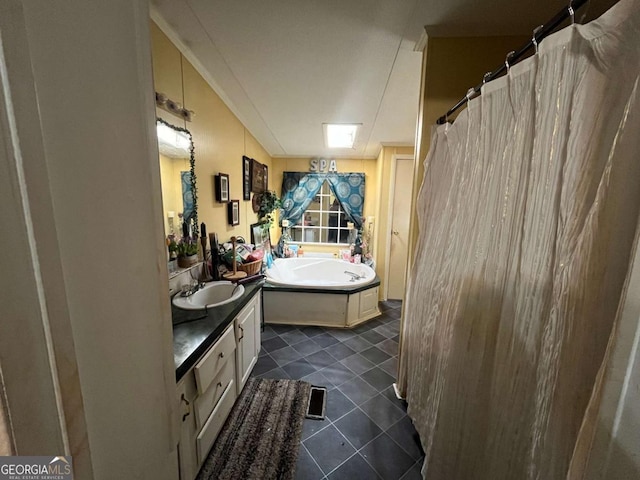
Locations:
{"points": [[269, 202], [187, 251]]}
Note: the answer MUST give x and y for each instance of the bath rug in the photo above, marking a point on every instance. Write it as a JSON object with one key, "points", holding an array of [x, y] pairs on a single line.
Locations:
{"points": [[261, 438]]}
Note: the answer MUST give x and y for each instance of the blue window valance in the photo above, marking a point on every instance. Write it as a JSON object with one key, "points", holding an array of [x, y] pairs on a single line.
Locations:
{"points": [[300, 188]]}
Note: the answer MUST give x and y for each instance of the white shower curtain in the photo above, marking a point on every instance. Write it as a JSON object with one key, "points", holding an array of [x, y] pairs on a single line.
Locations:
{"points": [[527, 216]]}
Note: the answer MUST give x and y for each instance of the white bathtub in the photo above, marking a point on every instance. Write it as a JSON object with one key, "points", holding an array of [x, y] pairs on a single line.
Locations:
{"points": [[326, 273]]}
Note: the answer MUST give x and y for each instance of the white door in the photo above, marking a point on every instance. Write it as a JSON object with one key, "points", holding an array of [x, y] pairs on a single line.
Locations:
{"points": [[399, 234]]}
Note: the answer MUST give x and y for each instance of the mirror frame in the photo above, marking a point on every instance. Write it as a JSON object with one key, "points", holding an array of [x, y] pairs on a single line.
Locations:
{"points": [[192, 163]]}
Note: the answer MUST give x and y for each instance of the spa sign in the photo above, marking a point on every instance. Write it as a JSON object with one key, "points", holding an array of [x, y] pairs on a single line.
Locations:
{"points": [[321, 164]]}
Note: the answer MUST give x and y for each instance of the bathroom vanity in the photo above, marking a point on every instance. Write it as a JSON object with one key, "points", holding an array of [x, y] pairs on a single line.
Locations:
{"points": [[214, 353]]}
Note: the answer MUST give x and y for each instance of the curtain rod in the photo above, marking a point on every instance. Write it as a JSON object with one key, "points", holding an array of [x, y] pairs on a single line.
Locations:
{"points": [[539, 33]]}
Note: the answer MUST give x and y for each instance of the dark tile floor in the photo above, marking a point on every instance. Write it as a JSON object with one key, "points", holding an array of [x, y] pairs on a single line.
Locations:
{"points": [[366, 433]]}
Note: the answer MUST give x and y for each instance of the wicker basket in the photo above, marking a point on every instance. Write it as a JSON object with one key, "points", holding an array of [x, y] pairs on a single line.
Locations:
{"points": [[251, 268]]}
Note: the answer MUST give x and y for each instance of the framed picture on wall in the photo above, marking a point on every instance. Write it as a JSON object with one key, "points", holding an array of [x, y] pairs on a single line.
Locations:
{"points": [[233, 212], [260, 233], [222, 187], [246, 178], [257, 177]]}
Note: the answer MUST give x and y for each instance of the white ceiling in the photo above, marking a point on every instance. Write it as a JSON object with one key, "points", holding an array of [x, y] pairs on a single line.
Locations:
{"points": [[285, 67]]}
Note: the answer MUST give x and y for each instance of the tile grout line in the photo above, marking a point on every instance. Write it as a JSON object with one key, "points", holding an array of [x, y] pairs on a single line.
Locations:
{"points": [[345, 461], [374, 468], [358, 450], [418, 462], [313, 458], [394, 440], [386, 327]]}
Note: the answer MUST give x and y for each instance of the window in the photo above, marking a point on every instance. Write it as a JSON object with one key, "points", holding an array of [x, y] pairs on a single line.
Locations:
{"points": [[323, 221]]}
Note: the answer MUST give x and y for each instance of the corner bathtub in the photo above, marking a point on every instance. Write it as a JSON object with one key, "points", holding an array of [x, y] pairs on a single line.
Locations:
{"points": [[323, 273], [317, 291]]}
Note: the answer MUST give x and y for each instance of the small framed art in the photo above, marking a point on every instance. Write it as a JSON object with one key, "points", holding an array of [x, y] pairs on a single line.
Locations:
{"points": [[259, 233], [233, 212], [246, 178], [222, 187], [257, 177]]}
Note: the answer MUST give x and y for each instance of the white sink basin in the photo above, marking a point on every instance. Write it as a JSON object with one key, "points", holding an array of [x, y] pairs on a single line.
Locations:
{"points": [[211, 295]]}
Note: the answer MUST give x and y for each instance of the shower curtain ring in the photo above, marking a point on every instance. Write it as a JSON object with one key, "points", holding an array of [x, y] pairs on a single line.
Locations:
{"points": [[572, 13], [534, 40], [470, 92], [506, 60]]}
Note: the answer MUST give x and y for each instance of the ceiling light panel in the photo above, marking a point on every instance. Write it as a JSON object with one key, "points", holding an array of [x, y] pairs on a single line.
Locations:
{"points": [[340, 135]]}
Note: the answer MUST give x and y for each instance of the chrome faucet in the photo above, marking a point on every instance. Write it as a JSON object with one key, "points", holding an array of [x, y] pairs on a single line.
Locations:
{"points": [[193, 288], [354, 276]]}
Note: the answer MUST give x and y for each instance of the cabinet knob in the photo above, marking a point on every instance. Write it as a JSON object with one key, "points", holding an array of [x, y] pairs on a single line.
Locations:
{"points": [[221, 355], [219, 384], [242, 334]]}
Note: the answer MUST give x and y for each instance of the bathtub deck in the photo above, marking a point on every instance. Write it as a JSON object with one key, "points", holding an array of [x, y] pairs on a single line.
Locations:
{"points": [[341, 308]]}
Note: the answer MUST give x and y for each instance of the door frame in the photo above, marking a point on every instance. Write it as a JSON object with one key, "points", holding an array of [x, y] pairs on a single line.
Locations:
{"points": [[388, 234], [33, 362]]}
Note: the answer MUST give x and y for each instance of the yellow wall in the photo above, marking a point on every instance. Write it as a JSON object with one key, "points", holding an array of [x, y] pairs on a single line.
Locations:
{"points": [[219, 138]]}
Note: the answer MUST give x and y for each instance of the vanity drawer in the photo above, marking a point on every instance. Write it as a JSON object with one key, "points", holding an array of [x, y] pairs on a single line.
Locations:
{"points": [[214, 424], [214, 360], [205, 402]]}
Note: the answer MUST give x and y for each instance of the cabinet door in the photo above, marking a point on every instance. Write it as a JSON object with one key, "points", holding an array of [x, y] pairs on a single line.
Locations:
{"points": [[368, 303], [246, 351], [187, 447]]}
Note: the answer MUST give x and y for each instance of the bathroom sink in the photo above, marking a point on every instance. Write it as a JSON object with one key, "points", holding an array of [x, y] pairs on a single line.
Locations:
{"points": [[211, 295]]}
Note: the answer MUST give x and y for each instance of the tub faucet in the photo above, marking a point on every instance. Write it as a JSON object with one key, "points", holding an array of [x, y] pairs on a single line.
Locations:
{"points": [[354, 276]]}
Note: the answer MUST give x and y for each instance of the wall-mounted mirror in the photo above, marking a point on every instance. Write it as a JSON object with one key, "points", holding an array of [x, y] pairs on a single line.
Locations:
{"points": [[178, 178]]}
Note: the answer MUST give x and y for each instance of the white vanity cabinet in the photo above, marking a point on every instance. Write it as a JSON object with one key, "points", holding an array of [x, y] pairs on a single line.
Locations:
{"points": [[208, 391], [247, 325]]}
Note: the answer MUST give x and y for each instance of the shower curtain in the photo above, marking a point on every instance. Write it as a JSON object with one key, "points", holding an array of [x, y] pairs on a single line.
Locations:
{"points": [[527, 217]]}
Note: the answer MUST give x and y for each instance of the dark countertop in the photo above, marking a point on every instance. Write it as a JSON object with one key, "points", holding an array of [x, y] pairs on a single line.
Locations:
{"points": [[194, 331], [336, 291]]}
